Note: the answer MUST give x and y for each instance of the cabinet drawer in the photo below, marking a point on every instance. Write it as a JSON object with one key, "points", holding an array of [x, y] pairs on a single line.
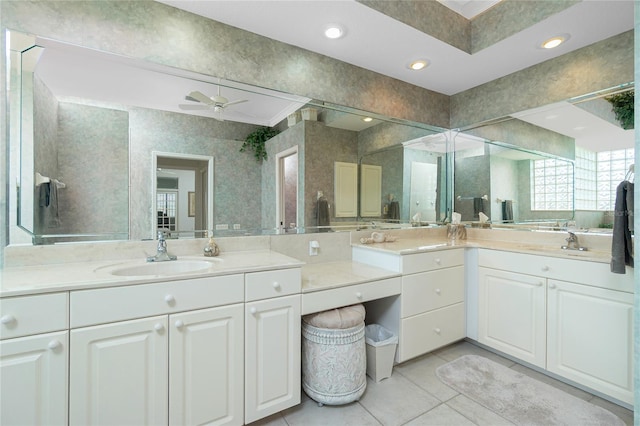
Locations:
{"points": [[349, 295], [119, 303], [424, 262], [432, 290], [425, 332], [267, 284], [25, 315], [595, 274]]}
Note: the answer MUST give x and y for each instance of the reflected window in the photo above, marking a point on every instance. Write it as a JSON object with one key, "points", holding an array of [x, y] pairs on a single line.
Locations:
{"points": [[167, 207], [552, 185], [586, 185]]}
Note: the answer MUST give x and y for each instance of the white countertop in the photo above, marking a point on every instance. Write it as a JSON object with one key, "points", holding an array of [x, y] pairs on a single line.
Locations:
{"points": [[327, 275], [26, 280], [409, 246]]}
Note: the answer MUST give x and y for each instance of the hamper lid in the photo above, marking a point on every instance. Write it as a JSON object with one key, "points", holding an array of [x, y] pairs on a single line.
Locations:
{"points": [[340, 318]]}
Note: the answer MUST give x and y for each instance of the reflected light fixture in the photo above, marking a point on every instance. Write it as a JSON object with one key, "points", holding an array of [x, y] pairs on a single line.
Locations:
{"points": [[418, 65], [367, 119], [554, 42], [333, 31]]}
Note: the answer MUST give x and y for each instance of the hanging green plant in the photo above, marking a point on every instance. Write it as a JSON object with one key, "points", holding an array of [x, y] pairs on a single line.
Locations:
{"points": [[623, 108], [255, 142]]}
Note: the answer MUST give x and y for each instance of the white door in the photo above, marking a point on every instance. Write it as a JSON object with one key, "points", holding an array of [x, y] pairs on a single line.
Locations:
{"points": [[33, 380], [119, 374], [590, 337], [424, 185], [511, 314], [206, 367], [272, 349]]}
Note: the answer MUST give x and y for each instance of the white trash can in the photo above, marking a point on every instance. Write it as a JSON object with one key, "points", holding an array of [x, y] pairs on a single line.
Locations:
{"points": [[381, 351]]}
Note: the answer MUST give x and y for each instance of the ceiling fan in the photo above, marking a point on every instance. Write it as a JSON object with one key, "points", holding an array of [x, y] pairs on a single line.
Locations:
{"points": [[215, 103]]}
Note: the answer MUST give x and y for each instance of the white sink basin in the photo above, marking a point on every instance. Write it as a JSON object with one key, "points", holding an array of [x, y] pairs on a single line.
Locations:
{"points": [[174, 267]]}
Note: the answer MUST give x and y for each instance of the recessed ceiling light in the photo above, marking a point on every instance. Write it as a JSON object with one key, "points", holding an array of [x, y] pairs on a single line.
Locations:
{"points": [[334, 31], [367, 119], [554, 41], [419, 64]]}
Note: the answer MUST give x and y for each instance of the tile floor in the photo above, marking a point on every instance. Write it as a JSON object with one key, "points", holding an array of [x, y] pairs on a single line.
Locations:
{"points": [[414, 396]]}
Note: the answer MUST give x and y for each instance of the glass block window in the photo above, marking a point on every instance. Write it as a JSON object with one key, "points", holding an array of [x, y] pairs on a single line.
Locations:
{"points": [[552, 185], [586, 185], [612, 167]]}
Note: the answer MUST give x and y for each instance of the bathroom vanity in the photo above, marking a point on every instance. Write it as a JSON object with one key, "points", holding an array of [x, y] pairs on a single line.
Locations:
{"points": [[77, 335], [149, 350]]}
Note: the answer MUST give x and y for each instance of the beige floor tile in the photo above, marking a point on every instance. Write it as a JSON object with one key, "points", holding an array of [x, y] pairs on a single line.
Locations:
{"points": [[422, 372], [475, 412], [309, 413], [455, 351], [442, 415], [396, 400], [273, 420], [625, 414]]}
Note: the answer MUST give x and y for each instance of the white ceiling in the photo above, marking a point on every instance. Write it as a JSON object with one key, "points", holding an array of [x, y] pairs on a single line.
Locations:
{"points": [[382, 44], [451, 70]]}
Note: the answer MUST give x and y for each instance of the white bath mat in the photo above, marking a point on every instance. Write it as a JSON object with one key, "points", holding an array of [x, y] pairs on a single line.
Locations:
{"points": [[519, 398]]}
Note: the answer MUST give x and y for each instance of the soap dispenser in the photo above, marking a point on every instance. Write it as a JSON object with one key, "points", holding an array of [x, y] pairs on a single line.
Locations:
{"points": [[211, 249]]}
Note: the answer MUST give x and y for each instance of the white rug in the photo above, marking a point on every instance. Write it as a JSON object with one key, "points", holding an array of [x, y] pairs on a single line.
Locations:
{"points": [[519, 398]]}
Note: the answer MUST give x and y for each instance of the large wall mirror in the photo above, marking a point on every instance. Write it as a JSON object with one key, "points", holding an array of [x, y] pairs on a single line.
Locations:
{"points": [[551, 167], [107, 147]]}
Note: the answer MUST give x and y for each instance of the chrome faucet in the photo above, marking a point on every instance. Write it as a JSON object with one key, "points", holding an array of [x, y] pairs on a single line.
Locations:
{"points": [[572, 243], [161, 252]]}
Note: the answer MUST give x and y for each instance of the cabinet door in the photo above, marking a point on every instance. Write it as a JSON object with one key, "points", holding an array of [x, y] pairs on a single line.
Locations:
{"points": [[119, 374], [33, 380], [346, 189], [206, 367], [272, 350], [590, 337], [511, 314], [370, 190]]}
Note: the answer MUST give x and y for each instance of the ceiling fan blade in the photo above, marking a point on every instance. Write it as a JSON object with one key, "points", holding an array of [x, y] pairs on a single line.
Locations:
{"points": [[201, 97], [235, 102], [193, 107]]}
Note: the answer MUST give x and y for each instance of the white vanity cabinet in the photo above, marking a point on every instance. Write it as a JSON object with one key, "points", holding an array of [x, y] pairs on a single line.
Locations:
{"points": [[34, 353], [570, 317], [272, 342], [590, 337], [432, 303], [183, 365], [512, 310]]}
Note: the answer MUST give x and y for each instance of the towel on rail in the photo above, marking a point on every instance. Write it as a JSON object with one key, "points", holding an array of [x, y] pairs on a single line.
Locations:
{"points": [[507, 210], [622, 243], [323, 212], [394, 210]]}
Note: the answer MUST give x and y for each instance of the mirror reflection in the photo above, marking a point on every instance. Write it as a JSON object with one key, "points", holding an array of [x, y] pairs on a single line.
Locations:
{"points": [[497, 183], [120, 134], [557, 165]]}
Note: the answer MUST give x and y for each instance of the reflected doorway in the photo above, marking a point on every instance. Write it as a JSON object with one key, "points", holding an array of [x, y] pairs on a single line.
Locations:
{"points": [[424, 181], [287, 190], [183, 191]]}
